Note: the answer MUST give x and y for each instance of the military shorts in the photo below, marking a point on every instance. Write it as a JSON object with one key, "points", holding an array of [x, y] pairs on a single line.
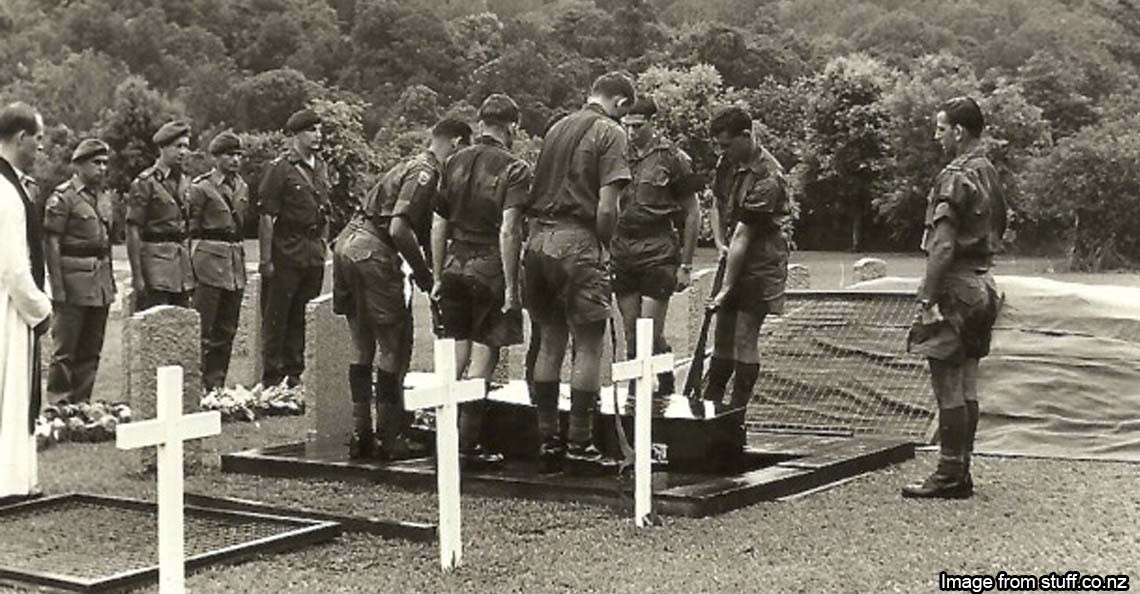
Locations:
{"points": [[745, 296], [470, 305], [969, 303], [565, 276], [368, 285], [645, 265]]}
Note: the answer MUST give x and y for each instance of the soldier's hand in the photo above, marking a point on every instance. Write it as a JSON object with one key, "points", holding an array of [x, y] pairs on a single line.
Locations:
{"points": [[722, 250], [684, 278], [930, 315], [266, 269], [138, 284], [424, 281], [436, 290], [718, 300]]}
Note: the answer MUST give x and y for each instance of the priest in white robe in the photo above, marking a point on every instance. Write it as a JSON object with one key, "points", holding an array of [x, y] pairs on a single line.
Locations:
{"points": [[24, 306]]}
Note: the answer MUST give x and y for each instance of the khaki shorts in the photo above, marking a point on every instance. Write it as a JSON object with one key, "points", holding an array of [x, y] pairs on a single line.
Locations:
{"points": [[645, 265], [368, 285], [470, 305], [969, 303], [565, 276]]}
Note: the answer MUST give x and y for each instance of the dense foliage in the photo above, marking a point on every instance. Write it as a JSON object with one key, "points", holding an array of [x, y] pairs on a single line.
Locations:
{"points": [[843, 91]]}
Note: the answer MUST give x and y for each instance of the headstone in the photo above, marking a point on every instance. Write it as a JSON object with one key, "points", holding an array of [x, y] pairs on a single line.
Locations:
{"points": [[445, 395], [869, 269], [643, 368], [158, 337], [328, 352], [799, 276], [168, 431], [699, 294], [247, 342]]}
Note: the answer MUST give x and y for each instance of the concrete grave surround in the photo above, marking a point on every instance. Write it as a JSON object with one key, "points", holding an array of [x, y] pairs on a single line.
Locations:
{"points": [[158, 337]]}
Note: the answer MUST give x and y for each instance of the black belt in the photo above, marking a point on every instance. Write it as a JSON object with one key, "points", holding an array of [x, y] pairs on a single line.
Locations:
{"points": [[151, 237], [289, 229], [72, 251], [217, 235]]}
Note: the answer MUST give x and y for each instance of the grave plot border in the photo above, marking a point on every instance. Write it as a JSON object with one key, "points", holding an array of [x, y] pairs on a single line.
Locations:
{"points": [[306, 532]]}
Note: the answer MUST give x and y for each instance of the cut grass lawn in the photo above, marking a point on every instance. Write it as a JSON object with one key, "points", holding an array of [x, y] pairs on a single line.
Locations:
{"points": [[1030, 516]]}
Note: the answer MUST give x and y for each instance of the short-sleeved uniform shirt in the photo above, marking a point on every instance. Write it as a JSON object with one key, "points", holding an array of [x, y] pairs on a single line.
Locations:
{"points": [[755, 193], [478, 184], [968, 194], [645, 248], [218, 206], [368, 284], [81, 218], [564, 268], [157, 205], [297, 194]]}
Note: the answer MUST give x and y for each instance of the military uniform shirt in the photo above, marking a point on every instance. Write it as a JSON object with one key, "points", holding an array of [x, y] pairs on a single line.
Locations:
{"points": [[82, 221], [968, 193], [407, 190], [298, 195], [597, 160], [157, 205], [217, 215], [662, 175], [478, 184]]}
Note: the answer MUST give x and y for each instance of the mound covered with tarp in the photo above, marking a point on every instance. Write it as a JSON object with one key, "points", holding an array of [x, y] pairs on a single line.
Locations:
{"points": [[1063, 377]]}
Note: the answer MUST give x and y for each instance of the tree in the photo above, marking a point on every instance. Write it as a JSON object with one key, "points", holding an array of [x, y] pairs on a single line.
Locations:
{"points": [[74, 91], [265, 101], [847, 147], [135, 114], [353, 164]]}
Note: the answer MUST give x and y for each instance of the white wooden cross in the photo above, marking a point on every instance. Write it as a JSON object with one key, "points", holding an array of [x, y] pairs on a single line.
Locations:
{"points": [[168, 431], [643, 368], [445, 395]]}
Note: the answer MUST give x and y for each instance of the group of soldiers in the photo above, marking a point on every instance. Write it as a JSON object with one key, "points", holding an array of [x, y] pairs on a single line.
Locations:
{"points": [[609, 208]]}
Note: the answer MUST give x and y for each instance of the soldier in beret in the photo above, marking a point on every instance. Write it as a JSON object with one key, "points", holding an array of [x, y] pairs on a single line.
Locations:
{"points": [[77, 223], [218, 203], [157, 245], [294, 199]]}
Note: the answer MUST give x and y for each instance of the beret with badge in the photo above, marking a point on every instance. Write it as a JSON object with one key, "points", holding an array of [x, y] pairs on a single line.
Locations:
{"points": [[301, 121], [89, 148], [171, 131], [225, 143]]}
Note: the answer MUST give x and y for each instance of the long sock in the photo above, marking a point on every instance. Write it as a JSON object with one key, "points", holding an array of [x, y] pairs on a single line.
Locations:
{"points": [[742, 384], [719, 372], [972, 415], [471, 421], [952, 448], [666, 383], [360, 385], [387, 403], [582, 404], [546, 403]]}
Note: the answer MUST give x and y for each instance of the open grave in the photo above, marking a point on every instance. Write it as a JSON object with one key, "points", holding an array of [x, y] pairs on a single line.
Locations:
{"points": [[838, 396]]}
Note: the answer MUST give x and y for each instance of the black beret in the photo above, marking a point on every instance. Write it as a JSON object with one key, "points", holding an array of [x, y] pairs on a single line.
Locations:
{"points": [[225, 142], [90, 148], [301, 121], [171, 131]]}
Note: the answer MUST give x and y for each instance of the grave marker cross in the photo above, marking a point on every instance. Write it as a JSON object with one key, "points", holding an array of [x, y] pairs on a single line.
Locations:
{"points": [[168, 430], [643, 368], [445, 395]]}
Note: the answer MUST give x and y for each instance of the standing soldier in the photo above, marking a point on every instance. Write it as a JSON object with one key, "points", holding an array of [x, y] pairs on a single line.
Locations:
{"points": [[476, 244], [218, 202], [753, 210], [649, 261], [161, 273], [581, 171], [958, 299], [392, 225], [294, 198], [77, 221]]}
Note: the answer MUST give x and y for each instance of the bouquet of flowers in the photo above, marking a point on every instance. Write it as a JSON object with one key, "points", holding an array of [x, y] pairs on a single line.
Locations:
{"points": [[90, 422]]}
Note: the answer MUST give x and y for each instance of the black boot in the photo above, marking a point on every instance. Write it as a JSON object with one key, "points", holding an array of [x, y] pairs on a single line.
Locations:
{"points": [[719, 372], [472, 454], [742, 384], [949, 480], [360, 385], [666, 384], [551, 455], [390, 420]]}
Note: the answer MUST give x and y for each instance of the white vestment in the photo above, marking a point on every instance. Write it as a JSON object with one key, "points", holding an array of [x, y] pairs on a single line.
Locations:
{"points": [[23, 307]]}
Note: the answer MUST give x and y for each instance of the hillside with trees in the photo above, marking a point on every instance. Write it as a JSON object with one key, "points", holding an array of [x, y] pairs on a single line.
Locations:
{"points": [[843, 91]]}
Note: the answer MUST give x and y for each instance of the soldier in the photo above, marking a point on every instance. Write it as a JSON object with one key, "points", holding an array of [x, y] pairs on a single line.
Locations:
{"points": [[476, 245], [218, 203], [368, 288], [581, 171], [649, 262], [77, 221], [161, 273], [753, 210], [294, 199], [958, 299]]}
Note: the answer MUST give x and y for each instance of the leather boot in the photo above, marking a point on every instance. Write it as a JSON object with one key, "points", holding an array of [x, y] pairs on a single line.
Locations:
{"points": [[473, 455], [390, 420], [742, 384], [360, 385], [666, 383], [949, 480], [551, 455], [719, 372]]}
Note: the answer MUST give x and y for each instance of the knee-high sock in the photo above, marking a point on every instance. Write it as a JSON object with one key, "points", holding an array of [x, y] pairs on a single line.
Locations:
{"points": [[581, 428], [719, 372], [360, 385], [953, 425], [742, 384], [387, 404], [471, 420], [546, 403], [972, 415], [666, 384]]}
